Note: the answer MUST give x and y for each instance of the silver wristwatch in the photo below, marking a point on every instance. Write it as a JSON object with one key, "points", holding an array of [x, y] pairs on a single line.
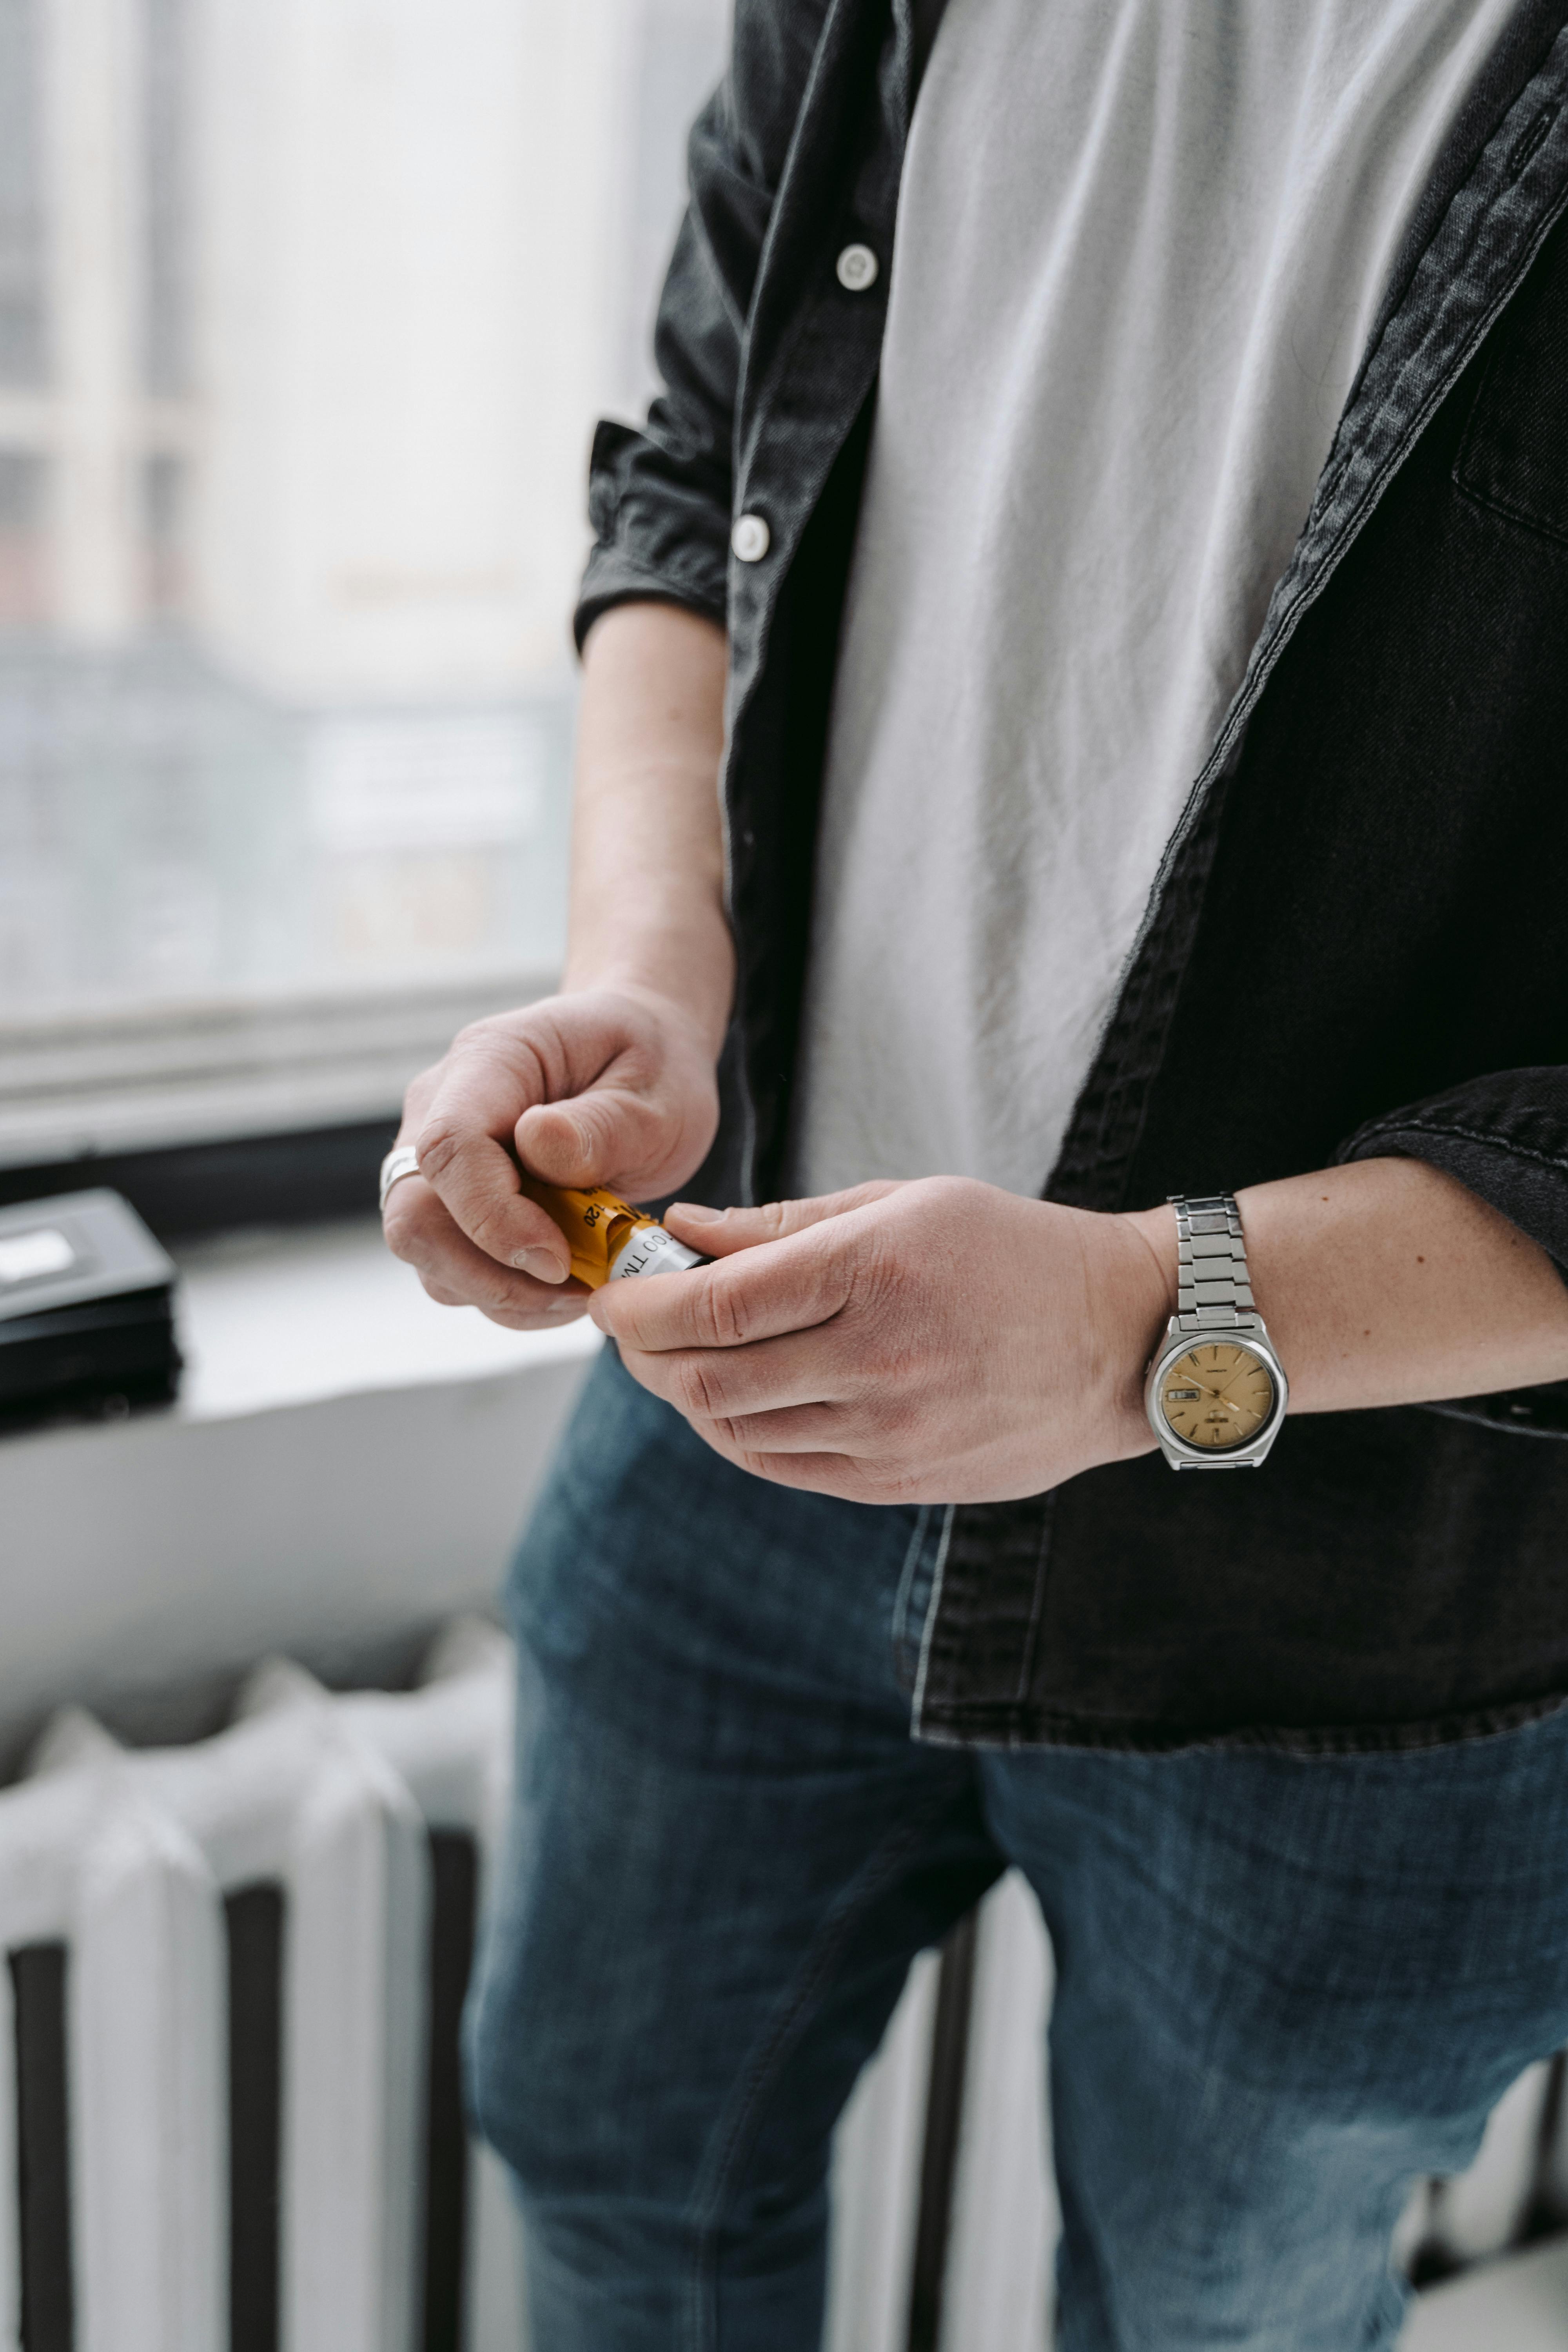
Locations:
{"points": [[1216, 1391]]}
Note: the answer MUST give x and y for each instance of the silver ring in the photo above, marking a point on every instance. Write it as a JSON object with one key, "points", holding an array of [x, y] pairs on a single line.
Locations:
{"points": [[402, 1161]]}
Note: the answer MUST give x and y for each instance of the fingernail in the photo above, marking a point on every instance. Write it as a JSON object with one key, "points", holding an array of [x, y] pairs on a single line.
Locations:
{"points": [[696, 1215], [539, 1264]]}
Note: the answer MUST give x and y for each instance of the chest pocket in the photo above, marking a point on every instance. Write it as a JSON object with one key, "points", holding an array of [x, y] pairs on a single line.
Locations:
{"points": [[1514, 454]]}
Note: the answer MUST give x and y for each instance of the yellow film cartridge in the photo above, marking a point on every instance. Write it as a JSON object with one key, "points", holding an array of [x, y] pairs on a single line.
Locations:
{"points": [[609, 1240]]}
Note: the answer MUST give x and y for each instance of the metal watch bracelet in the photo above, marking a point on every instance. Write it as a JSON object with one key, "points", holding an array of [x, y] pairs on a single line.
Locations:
{"points": [[1213, 1289]]}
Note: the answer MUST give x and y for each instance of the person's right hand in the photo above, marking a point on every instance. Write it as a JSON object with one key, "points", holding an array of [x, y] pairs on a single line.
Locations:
{"points": [[603, 1086]]}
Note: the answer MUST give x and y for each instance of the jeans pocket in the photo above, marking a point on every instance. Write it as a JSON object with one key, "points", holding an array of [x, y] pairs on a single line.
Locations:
{"points": [[1514, 457]]}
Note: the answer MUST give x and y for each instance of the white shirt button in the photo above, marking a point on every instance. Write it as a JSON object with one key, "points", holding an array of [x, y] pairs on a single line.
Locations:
{"points": [[751, 538], [857, 269]]}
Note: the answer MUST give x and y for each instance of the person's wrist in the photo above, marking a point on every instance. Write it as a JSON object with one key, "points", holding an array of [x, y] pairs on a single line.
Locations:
{"points": [[700, 1012], [1135, 1299], [1155, 1230]]}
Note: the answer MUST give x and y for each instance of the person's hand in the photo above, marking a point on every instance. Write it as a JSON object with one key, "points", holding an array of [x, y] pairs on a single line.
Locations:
{"points": [[606, 1086], [934, 1341]]}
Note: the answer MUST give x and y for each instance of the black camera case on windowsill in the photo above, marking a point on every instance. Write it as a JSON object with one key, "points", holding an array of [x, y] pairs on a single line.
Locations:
{"points": [[87, 1322]]}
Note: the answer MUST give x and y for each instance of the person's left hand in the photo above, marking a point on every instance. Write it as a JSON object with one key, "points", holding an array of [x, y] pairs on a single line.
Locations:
{"points": [[932, 1341]]}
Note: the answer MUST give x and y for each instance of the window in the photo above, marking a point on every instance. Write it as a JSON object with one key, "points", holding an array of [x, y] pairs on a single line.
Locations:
{"points": [[22, 250], [304, 317]]}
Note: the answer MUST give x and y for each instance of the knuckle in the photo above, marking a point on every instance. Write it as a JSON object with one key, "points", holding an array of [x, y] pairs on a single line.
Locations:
{"points": [[698, 1389], [721, 1314], [437, 1146], [947, 1196]]}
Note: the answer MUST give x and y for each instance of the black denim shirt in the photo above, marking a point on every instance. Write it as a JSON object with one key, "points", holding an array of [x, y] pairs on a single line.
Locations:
{"points": [[1382, 824]]}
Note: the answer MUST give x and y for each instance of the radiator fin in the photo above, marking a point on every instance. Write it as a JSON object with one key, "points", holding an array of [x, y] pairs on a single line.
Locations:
{"points": [[43, 2148], [254, 1918]]}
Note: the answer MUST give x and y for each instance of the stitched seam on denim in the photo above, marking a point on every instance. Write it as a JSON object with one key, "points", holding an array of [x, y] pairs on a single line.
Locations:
{"points": [[1540, 126], [1037, 1603], [707, 2208], [734, 317], [1522, 517], [1388, 1127], [979, 1724], [1512, 1426], [906, 1583], [1529, 140], [933, 1607]]}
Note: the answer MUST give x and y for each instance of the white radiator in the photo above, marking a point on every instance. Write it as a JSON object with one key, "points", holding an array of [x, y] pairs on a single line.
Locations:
{"points": [[139, 1891], [238, 1965]]}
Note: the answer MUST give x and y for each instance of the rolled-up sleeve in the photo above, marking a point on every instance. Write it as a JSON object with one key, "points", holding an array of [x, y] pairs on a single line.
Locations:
{"points": [[660, 496], [1505, 1136]]}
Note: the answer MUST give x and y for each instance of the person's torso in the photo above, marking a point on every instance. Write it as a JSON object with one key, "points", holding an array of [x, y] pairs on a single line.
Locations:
{"points": [[1139, 249]]}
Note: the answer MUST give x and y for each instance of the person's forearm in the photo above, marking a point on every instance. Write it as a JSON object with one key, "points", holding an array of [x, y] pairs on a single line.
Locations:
{"points": [[1388, 1282], [612, 1080], [648, 860]]}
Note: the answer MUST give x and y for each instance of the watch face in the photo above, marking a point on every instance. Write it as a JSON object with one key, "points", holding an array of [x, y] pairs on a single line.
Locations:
{"points": [[1216, 1396]]}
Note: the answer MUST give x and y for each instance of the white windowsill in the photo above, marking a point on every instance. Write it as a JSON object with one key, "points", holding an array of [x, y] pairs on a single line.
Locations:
{"points": [[271, 1319], [349, 1465]]}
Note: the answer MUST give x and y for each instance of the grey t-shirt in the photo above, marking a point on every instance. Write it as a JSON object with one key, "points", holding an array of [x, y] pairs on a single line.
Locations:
{"points": [[1140, 245]]}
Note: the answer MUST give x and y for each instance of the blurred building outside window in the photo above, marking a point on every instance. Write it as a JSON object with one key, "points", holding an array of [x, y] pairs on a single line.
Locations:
{"points": [[305, 315]]}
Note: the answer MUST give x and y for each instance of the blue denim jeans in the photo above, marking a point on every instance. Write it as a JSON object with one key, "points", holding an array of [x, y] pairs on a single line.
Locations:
{"points": [[1285, 1985]]}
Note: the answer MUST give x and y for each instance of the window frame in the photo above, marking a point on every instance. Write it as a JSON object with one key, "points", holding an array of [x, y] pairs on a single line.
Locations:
{"points": [[234, 1113]]}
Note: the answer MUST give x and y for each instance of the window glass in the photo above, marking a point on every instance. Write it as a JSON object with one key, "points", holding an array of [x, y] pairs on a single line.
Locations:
{"points": [[304, 317], [22, 254]]}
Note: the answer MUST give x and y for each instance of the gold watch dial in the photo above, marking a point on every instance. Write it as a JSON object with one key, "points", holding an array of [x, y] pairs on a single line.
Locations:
{"points": [[1218, 1395]]}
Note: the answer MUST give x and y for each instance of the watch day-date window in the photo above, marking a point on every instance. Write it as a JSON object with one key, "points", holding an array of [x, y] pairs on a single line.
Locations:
{"points": [[1217, 1395]]}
